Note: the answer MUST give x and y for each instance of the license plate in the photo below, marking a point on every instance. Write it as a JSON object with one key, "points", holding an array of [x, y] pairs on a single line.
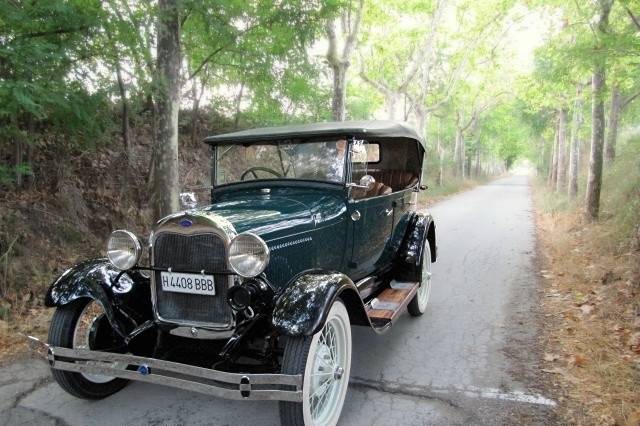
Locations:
{"points": [[188, 283]]}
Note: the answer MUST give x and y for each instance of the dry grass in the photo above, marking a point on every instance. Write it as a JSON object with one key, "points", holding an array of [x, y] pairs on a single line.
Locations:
{"points": [[592, 304], [34, 321]]}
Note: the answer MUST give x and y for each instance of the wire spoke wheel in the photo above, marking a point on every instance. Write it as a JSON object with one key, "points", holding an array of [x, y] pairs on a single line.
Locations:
{"points": [[424, 291], [85, 333], [418, 304], [325, 360], [82, 324]]}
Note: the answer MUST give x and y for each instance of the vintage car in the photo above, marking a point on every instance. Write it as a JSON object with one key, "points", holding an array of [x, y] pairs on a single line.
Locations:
{"points": [[311, 229]]}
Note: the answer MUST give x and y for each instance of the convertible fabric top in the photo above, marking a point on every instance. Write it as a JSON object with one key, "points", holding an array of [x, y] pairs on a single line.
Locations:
{"points": [[372, 129]]}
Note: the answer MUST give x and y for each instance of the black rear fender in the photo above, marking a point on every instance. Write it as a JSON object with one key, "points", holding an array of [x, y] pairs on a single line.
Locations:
{"points": [[421, 227]]}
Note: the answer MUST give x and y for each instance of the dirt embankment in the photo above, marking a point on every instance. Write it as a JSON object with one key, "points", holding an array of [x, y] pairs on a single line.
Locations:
{"points": [[592, 319], [65, 214]]}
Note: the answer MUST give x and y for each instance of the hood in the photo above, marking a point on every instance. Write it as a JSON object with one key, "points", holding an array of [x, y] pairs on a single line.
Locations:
{"points": [[274, 215], [264, 216]]}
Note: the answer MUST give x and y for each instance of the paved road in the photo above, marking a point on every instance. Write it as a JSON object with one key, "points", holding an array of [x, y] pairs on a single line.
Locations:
{"points": [[470, 359]]}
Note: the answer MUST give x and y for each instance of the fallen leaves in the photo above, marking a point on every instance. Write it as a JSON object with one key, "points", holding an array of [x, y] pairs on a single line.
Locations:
{"points": [[592, 349], [578, 360], [586, 309]]}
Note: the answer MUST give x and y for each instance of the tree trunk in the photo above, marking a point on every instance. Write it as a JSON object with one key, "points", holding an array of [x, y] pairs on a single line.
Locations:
{"points": [[17, 144], [339, 61], [574, 153], [236, 120], [594, 181], [614, 119], [195, 110], [421, 122], [166, 179], [338, 111], [552, 159], [458, 156], [126, 142], [553, 177], [477, 166], [562, 150]]}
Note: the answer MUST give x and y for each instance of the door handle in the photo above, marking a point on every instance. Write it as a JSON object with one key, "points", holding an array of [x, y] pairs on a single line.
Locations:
{"points": [[388, 212]]}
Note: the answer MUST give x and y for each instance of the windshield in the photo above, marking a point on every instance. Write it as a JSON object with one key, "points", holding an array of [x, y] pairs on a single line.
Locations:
{"points": [[320, 161]]}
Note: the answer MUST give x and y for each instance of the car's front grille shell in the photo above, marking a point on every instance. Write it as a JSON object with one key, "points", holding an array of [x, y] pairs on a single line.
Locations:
{"points": [[191, 253]]}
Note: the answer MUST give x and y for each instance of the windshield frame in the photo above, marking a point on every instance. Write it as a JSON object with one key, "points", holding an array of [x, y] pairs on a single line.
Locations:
{"points": [[346, 176]]}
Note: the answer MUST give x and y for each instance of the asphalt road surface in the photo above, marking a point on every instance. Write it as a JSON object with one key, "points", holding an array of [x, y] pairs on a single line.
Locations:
{"points": [[471, 359]]}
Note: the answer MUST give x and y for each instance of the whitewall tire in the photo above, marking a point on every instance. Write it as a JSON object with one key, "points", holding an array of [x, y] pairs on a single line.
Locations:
{"points": [[324, 359]]}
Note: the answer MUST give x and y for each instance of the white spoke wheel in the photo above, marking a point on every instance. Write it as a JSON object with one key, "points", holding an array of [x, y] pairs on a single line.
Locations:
{"points": [[85, 330], [324, 359], [418, 304], [77, 325]]}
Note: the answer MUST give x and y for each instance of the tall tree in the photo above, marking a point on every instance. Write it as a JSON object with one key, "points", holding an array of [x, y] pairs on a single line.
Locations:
{"points": [[594, 180], [339, 59], [574, 150], [612, 127], [562, 150], [165, 180]]}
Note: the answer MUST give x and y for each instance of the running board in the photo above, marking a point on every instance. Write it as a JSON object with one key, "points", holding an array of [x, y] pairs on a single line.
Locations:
{"points": [[385, 308]]}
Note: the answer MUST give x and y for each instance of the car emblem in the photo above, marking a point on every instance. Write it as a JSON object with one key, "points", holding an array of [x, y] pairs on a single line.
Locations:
{"points": [[186, 223]]}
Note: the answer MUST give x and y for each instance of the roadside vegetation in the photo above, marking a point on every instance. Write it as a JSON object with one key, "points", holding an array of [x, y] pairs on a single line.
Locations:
{"points": [[591, 280]]}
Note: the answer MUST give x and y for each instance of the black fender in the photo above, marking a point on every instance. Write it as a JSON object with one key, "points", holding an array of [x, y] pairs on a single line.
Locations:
{"points": [[302, 308], [421, 227], [125, 296]]}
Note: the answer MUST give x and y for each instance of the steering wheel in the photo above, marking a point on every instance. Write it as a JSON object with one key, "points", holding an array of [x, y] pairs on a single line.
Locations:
{"points": [[253, 171]]}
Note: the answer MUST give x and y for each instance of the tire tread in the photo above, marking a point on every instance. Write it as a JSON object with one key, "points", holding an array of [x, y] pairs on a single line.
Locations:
{"points": [[61, 334]]}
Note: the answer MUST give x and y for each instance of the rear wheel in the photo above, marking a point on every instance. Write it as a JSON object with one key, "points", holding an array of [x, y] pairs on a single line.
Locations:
{"points": [[324, 360], [418, 304], [82, 324]]}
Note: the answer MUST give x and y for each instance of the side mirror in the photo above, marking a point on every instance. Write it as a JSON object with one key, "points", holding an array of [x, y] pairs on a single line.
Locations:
{"points": [[188, 200], [366, 183]]}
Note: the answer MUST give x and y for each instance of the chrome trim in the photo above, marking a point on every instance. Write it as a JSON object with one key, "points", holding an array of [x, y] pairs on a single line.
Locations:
{"points": [[264, 246], [201, 333], [183, 376], [203, 223]]}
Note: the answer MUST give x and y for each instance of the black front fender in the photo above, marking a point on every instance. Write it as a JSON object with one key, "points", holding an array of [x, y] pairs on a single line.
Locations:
{"points": [[126, 299], [303, 307]]}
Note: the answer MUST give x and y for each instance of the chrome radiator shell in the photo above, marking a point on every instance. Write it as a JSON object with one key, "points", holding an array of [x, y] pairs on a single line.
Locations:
{"points": [[192, 242]]}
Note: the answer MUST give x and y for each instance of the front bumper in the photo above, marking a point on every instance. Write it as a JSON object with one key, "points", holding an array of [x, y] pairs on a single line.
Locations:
{"points": [[218, 383]]}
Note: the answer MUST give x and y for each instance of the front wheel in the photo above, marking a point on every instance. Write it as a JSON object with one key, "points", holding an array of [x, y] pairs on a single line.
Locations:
{"points": [[418, 304], [82, 324], [324, 360]]}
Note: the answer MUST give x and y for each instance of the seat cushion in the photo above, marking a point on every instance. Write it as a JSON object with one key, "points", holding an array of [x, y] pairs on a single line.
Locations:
{"points": [[396, 179]]}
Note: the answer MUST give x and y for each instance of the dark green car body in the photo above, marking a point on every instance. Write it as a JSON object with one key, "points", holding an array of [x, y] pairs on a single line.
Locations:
{"points": [[324, 241]]}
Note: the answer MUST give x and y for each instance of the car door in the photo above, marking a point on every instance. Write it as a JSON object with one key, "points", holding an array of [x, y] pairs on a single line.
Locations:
{"points": [[371, 225]]}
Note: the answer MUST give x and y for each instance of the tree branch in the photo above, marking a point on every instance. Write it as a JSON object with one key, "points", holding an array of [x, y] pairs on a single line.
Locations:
{"points": [[55, 32], [633, 18], [629, 99]]}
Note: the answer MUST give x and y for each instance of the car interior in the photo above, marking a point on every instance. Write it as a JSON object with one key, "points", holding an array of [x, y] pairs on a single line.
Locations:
{"points": [[393, 163]]}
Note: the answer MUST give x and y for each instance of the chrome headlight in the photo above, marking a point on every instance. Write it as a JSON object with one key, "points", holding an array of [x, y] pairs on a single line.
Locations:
{"points": [[123, 249], [248, 255]]}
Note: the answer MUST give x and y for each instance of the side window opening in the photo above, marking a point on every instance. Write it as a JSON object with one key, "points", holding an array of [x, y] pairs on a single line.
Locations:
{"points": [[393, 163]]}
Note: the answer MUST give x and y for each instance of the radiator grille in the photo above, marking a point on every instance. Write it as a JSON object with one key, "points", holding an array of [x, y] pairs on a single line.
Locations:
{"points": [[192, 253]]}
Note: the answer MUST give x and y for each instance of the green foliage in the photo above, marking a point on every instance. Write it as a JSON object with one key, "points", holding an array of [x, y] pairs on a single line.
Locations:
{"points": [[505, 132], [621, 191]]}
